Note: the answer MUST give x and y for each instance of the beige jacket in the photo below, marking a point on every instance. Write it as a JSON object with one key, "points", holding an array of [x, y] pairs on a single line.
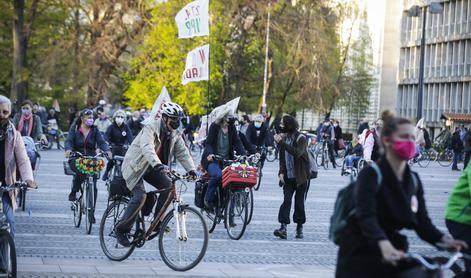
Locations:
{"points": [[143, 153], [16, 157]]}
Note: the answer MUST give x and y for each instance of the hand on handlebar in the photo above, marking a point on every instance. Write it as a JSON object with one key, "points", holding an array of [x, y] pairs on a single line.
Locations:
{"points": [[67, 153], [390, 254], [450, 244], [32, 184], [210, 157], [192, 174]]}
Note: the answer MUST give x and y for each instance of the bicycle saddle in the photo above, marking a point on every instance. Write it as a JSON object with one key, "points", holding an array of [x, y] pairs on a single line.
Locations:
{"points": [[118, 157]]}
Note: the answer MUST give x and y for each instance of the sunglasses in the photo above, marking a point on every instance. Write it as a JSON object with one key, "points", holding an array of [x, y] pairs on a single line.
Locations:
{"points": [[87, 112]]}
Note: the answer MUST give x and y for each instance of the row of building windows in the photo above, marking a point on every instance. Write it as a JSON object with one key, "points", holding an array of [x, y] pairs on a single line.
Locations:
{"points": [[454, 20], [447, 59], [438, 98]]}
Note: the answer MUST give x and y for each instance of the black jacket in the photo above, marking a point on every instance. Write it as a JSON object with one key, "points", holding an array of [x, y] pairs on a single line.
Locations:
{"points": [[211, 143], [301, 160], [135, 126], [87, 146], [257, 140], [381, 212], [119, 135], [456, 143], [362, 127]]}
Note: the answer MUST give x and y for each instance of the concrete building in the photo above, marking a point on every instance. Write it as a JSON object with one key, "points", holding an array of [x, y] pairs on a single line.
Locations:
{"points": [[447, 79]]}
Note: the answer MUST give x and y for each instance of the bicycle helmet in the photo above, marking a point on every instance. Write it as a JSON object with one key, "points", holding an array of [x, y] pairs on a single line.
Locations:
{"points": [[172, 110]]}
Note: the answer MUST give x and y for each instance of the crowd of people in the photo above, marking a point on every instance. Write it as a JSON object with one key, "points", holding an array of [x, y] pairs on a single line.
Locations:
{"points": [[388, 195]]}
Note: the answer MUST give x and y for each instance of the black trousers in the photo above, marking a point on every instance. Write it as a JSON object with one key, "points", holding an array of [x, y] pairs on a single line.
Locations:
{"points": [[290, 188], [463, 232], [117, 150], [467, 156]]}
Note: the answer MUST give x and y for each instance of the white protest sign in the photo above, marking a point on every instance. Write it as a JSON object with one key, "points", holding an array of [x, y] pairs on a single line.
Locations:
{"points": [[193, 20], [155, 112], [217, 113], [197, 65]]}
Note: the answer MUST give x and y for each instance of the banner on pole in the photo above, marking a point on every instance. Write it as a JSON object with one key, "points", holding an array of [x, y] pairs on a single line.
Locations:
{"points": [[193, 20], [155, 112], [197, 65], [216, 114]]}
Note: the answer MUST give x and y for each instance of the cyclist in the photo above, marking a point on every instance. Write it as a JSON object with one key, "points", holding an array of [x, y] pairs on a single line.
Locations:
{"points": [[371, 244], [327, 132], [134, 123], [146, 160], [118, 135], [13, 156], [257, 135], [29, 124], [222, 140], [84, 137], [102, 123]]}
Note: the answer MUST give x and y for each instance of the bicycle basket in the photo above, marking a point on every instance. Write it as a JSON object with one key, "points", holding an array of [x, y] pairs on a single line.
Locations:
{"points": [[118, 187], [89, 165], [67, 169], [239, 176]]}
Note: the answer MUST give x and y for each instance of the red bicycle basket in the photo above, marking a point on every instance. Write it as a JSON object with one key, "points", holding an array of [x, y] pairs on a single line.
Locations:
{"points": [[239, 176]]}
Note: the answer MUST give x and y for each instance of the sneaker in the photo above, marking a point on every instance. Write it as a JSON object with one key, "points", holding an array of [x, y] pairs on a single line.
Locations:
{"points": [[348, 171], [455, 169], [281, 232], [122, 238], [299, 232], [72, 197]]}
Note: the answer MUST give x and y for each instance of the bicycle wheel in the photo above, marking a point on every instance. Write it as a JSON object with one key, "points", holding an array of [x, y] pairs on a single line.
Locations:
{"points": [[22, 199], [271, 155], [210, 219], [432, 154], [183, 242], [250, 205], [423, 160], [259, 178], [77, 209], [325, 160], [445, 158], [7, 254], [89, 207], [236, 214], [108, 242]]}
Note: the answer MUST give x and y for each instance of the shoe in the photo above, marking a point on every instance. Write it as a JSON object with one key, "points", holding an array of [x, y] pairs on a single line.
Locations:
{"points": [[105, 176], [72, 197], [121, 237], [455, 169], [348, 171], [93, 220], [299, 232], [334, 165], [281, 232]]}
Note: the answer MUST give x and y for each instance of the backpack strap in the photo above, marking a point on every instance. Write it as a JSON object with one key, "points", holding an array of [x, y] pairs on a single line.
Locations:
{"points": [[415, 180], [379, 175]]}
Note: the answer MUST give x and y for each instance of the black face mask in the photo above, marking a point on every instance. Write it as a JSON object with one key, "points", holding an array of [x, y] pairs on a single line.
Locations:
{"points": [[231, 121], [175, 124]]}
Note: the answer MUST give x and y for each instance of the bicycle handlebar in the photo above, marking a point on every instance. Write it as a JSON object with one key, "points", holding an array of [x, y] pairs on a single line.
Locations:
{"points": [[79, 154], [435, 266], [11, 187]]}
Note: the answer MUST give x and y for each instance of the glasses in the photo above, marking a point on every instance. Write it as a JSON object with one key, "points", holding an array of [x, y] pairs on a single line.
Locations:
{"points": [[119, 117]]}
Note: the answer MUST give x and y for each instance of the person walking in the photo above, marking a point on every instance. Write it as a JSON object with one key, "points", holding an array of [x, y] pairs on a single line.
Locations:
{"points": [[457, 147], [338, 143], [293, 175], [467, 148], [458, 214], [371, 244]]}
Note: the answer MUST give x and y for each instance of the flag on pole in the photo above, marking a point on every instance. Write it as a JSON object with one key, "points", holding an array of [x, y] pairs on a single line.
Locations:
{"points": [[197, 65], [193, 20], [217, 113], [155, 112]]}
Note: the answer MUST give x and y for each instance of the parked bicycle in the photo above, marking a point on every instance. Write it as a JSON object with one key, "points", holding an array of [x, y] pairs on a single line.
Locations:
{"points": [[234, 201], [183, 234], [85, 203]]}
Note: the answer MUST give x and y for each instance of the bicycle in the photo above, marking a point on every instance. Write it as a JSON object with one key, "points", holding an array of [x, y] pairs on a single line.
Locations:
{"points": [[7, 244], [272, 153], [445, 157], [55, 135], [85, 203], [322, 156], [436, 267], [177, 225], [233, 202], [259, 164]]}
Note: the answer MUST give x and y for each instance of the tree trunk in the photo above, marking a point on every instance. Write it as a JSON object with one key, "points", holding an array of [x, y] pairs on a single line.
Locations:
{"points": [[19, 78]]}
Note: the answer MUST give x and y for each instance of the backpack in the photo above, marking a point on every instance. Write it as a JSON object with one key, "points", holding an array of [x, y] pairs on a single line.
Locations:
{"points": [[312, 174], [344, 207]]}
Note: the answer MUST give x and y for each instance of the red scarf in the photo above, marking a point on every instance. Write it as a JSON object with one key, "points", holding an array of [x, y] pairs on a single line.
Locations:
{"points": [[30, 123]]}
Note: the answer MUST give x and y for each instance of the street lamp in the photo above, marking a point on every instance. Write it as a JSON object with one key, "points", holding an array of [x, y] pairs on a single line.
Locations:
{"points": [[414, 11]]}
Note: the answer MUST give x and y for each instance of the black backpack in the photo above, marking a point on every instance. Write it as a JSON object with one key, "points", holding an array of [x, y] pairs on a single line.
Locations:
{"points": [[313, 170]]}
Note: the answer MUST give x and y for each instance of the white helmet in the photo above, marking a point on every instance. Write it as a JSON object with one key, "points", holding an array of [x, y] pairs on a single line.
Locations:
{"points": [[172, 110]]}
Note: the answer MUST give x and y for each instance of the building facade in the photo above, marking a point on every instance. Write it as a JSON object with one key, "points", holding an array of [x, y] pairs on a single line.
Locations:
{"points": [[447, 78]]}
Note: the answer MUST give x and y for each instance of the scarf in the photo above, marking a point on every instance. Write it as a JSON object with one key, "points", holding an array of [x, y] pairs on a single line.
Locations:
{"points": [[30, 124]]}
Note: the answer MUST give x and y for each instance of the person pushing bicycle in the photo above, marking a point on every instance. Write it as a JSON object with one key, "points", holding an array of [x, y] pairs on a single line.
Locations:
{"points": [[147, 159]]}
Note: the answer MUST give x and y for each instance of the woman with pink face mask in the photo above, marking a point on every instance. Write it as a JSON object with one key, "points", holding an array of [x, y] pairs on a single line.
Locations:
{"points": [[372, 245]]}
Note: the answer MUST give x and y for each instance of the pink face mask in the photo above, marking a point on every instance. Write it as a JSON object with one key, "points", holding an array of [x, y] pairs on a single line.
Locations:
{"points": [[404, 149]]}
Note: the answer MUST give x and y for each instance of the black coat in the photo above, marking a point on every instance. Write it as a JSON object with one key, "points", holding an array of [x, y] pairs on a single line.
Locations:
{"points": [[257, 140], [380, 214], [211, 143], [301, 160], [119, 135], [456, 143], [362, 127], [87, 146], [135, 126]]}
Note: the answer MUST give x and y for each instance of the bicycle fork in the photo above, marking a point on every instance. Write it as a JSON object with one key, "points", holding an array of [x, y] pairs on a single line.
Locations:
{"points": [[180, 218]]}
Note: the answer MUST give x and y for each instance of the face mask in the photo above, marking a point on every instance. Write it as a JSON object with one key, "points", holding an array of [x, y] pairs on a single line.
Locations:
{"points": [[119, 121], [26, 112], [257, 125], [175, 125], [89, 122], [404, 149], [336, 125]]}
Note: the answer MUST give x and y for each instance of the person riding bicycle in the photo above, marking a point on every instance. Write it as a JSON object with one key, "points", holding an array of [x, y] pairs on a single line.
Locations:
{"points": [[371, 244], [29, 124], [353, 153], [222, 140], [327, 132], [84, 138], [146, 160], [257, 133], [13, 157], [118, 135], [102, 122]]}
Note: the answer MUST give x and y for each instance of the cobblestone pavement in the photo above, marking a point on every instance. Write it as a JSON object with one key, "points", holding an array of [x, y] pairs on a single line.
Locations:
{"points": [[48, 244]]}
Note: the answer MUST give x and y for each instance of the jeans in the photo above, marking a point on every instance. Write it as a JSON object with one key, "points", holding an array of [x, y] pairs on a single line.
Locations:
{"points": [[350, 159], [158, 180], [463, 232], [8, 211], [456, 159], [289, 189], [215, 174]]}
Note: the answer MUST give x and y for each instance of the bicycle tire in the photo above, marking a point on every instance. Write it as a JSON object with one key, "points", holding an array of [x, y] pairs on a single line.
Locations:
{"points": [[77, 209], [259, 178], [113, 212], [211, 220], [23, 199], [7, 240], [319, 159], [271, 155], [227, 214], [88, 208], [325, 160], [250, 206], [445, 158], [424, 161], [202, 252]]}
